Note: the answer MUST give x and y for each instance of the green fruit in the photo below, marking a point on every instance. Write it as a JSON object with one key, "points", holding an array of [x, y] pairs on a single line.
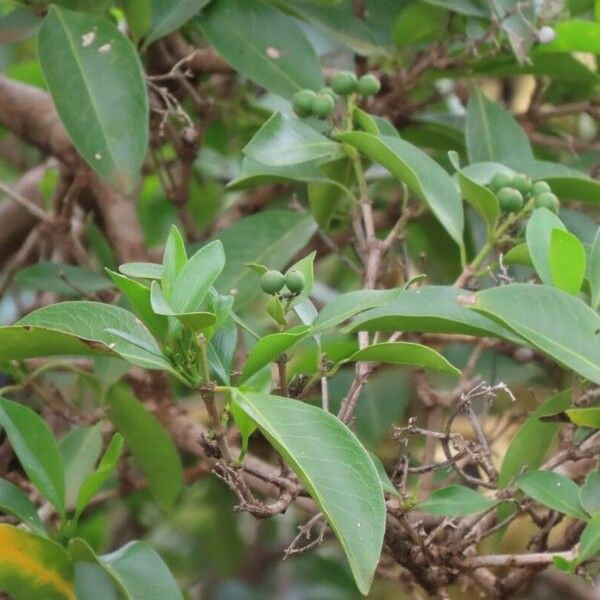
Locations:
{"points": [[302, 102], [368, 85], [271, 282], [547, 200], [523, 184], [539, 187], [499, 181], [329, 92], [344, 83], [510, 199], [323, 105], [294, 281]]}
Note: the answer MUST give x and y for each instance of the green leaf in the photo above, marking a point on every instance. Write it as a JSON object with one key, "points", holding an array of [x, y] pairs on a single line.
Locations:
{"points": [[96, 322], [36, 449], [550, 320], [221, 350], [253, 173], [589, 542], [589, 494], [538, 234], [139, 17], [170, 15], [324, 197], [429, 309], [194, 320], [149, 443], [197, 277], [532, 441], [403, 353], [418, 23], [595, 271], [285, 140], [567, 261], [94, 481], [335, 468], [80, 450], [270, 347], [139, 297], [347, 305], [62, 279], [469, 8], [14, 501], [263, 44], [142, 270], [271, 238], [174, 260], [34, 567], [92, 582], [492, 133], [585, 417], [575, 36], [82, 57], [481, 198], [386, 482], [423, 176], [554, 491], [455, 501]]}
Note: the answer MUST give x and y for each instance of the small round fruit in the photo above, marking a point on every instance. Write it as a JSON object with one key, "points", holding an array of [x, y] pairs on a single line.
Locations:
{"points": [[344, 83], [510, 199], [294, 281], [368, 85], [271, 282], [500, 180], [547, 200], [329, 92], [323, 105], [545, 34], [539, 187], [302, 102], [523, 184]]}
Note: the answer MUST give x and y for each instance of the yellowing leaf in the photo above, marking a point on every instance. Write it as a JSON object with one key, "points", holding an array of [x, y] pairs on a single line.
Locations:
{"points": [[34, 568]]}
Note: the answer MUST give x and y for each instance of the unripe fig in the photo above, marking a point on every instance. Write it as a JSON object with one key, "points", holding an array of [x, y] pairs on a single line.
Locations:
{"points": [[368, 85], [302, 102], [547, 200], [344, 83], [323, 105], [539, 187], [510, 199], [500, 180], [271, 282], [294, 281], [523, 184]]}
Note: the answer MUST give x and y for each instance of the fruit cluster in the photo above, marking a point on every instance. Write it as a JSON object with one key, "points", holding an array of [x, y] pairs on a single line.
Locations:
{"points": [[308, 103], [272, 282], [513, 191]]}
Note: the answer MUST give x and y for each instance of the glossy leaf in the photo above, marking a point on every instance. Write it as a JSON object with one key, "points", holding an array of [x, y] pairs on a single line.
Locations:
{"points": [[386, 482], [194, 320], [492, 133], [82, 57], [575, 36], [253, 173], [585, 417], [149, 443], [33, 567], [142, 270], [589, 542], [551, 320], [285, 140], [481, 198], [80, 450], [404, 353], [567, 261], [429, 309], [539, 230], [595, 271], [554, 491], [271, 238], [92, 582], [589, 494], [174, 260], [60, 278], [36, 449], [270, 347], [94, 481], [96, 322], [455, 501], [263, 44], [422, 175], [324, 197], [169, 15], [14, 501], [334, 467]]}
